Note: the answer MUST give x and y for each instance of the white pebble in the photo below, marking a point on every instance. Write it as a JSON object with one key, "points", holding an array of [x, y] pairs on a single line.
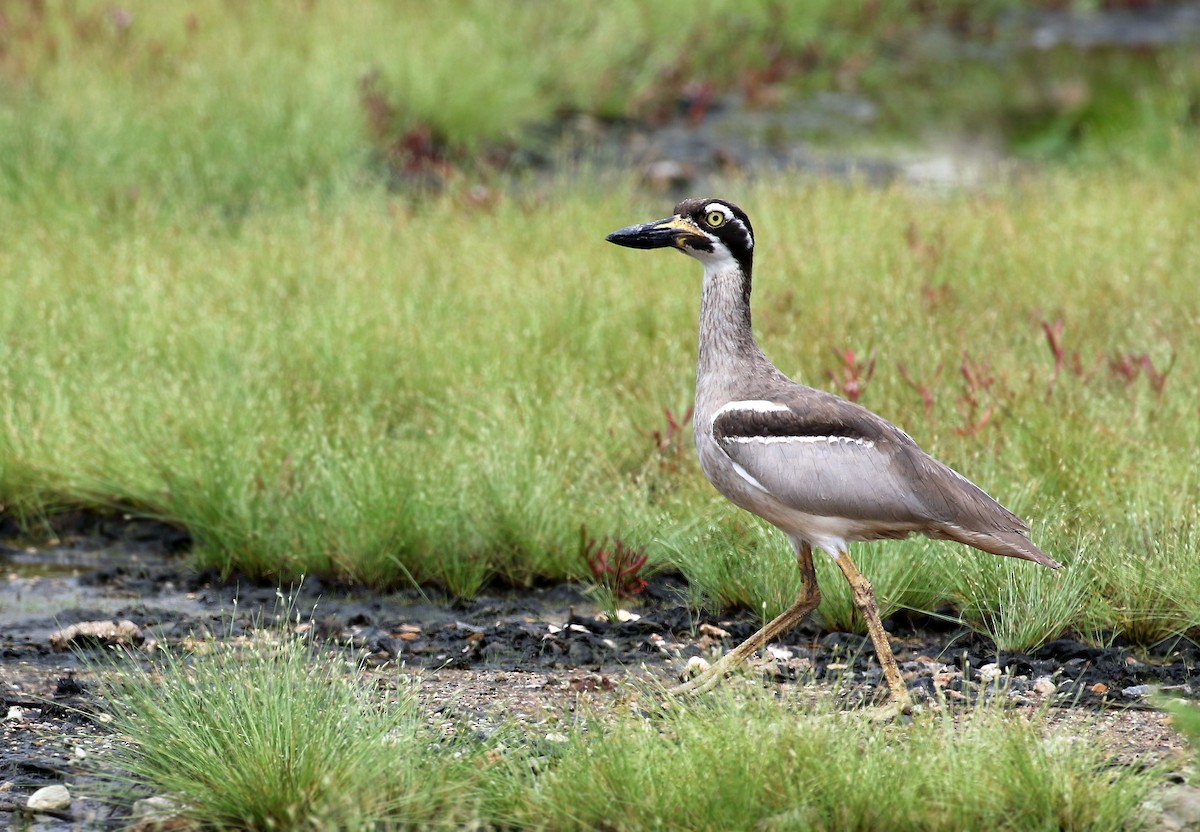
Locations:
{"points": [[989, 672], [50, 797], [1044, 686], [155, 808]]}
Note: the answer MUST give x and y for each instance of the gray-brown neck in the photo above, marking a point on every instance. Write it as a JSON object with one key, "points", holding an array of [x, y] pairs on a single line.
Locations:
{"points": [[728, 351]]}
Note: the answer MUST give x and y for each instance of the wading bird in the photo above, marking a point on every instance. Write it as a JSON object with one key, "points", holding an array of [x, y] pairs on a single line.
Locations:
{"points": [[824, 470]]}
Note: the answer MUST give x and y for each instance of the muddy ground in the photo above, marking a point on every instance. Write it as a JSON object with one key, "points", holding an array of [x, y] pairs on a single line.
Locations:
{"points": [[530, 654]]}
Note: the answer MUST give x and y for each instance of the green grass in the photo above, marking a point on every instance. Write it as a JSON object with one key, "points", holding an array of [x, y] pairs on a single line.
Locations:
{"points": [[385, 392], [745, 762], [278, 733], [275, 732], [1185, 718], [217, 314]]}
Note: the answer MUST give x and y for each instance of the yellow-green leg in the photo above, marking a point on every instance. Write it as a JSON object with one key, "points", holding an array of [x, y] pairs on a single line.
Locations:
{"points": [[864, 600], [806, 601]]}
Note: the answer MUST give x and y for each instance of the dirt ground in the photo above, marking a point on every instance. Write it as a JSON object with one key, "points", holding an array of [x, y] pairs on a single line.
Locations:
{"points": [[533, 656]]}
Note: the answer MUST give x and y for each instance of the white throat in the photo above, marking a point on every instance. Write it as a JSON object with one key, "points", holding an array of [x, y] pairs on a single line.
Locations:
{"points": [[717, 262]]}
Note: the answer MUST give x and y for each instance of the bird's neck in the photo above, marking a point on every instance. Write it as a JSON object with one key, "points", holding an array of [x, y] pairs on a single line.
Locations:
{"points": [[727, 345]]}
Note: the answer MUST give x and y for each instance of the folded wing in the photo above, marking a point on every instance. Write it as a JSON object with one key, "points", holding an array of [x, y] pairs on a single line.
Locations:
{"points": [[827, 457]]}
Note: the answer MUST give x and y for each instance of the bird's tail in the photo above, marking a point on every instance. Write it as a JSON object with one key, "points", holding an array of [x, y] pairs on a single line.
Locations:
{"points": [[1009, 544]]}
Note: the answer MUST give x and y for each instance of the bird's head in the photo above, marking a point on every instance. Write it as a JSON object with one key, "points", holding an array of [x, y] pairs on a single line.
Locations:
{"points": [[715, 232]]}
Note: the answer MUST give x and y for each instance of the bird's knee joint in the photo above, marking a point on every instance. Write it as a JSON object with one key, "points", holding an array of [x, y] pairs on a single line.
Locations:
{"points": [[810, 591]]}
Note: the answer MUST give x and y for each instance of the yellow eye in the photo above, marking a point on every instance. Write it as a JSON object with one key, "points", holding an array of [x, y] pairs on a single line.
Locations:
{"points": [[715, 219]]}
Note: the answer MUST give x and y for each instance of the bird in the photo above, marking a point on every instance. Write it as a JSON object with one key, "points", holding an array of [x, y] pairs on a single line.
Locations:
{"points": [[826, 471]]}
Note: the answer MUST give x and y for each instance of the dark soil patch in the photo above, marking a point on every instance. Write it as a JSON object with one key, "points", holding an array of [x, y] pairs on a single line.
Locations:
{"points": [[550, 641]]}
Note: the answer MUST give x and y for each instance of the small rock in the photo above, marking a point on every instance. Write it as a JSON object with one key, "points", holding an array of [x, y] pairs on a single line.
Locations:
{"points": [[696, 665], [800, 665], [50, 798], [989, 672], [157, 814], [157, 806], [625, 615], [69, 686], [779, 653], [715, 632], [1044, 686], [1099, 688], [1135, 691], [104, 633], [555, 736], [16, 712]]}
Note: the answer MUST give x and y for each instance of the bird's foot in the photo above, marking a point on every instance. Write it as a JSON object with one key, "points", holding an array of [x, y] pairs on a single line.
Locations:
{"points": [[704, 681], [890, 711], [900, 700]]}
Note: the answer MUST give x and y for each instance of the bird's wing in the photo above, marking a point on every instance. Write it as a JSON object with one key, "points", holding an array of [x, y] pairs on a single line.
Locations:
{"points": [[824, 456], [828, 457]]}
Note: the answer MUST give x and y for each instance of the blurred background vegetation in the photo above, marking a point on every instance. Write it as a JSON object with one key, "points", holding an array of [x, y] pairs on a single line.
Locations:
{"points": [[232, 105]]}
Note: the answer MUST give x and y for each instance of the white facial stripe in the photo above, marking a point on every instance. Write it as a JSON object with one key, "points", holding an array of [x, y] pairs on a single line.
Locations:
{"points": [[805, 440], [729, 217], [723, 209]]}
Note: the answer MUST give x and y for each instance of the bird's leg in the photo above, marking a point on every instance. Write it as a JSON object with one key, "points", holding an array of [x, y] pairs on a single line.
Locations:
{"points": [[864, 600], [807, 600]]}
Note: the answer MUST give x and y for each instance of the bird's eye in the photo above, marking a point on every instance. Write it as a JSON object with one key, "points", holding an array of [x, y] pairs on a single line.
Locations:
{"points": [[715, 219]]}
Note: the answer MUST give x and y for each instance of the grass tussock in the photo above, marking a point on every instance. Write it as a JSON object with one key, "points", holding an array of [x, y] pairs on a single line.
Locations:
{"points": [[278, 733], [742, 761]]}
